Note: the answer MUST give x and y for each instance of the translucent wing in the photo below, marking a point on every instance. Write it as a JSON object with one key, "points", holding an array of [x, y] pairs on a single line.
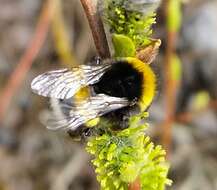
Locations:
{"points": [[71, 116], [64, 83]]}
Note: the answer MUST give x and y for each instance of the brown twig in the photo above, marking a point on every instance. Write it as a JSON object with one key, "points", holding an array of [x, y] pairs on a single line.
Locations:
{"points": [[26, 60], [170, 90], [97, 28]]}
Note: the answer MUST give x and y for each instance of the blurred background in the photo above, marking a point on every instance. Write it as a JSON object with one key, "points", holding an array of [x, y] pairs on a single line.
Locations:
{"points": [[183, 116]]}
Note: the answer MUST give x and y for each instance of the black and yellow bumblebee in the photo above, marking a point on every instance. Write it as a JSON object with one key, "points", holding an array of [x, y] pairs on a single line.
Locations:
{"points": [[115, 87]]}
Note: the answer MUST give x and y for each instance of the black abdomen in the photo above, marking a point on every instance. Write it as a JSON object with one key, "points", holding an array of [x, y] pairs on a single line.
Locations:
{"points": [[121, 80]]}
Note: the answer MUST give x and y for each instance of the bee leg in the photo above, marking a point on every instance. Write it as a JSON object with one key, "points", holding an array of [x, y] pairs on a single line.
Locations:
{"points": [[87, 132], [134, 102], [120, 120], [80, 134], [96, 60], [75, 134], [125, 122], [126, 113]]}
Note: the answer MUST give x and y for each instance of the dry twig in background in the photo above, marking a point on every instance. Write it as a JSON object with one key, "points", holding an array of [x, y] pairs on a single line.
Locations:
{"points": [[17, 77], [61, 36], [172, 10], [170, 92]]}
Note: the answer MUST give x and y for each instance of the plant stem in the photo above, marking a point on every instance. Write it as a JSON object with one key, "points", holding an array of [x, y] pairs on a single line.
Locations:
{"points": [[170, 85], [101, 44], [97, 28]]}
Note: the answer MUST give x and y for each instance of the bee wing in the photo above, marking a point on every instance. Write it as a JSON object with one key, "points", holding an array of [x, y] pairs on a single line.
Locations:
{"points": [[73, 115], [64, 83]]}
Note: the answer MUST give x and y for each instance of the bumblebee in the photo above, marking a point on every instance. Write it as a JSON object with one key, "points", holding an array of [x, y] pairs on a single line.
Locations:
{"points": [[115, 87]]}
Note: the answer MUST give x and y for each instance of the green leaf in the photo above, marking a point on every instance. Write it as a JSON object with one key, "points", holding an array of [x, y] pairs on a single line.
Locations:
{"points": [[123, 46]]}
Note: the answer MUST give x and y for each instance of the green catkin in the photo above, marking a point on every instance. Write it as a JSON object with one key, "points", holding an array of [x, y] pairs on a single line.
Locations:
{"points": [[132, 24], [122, 157]]}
